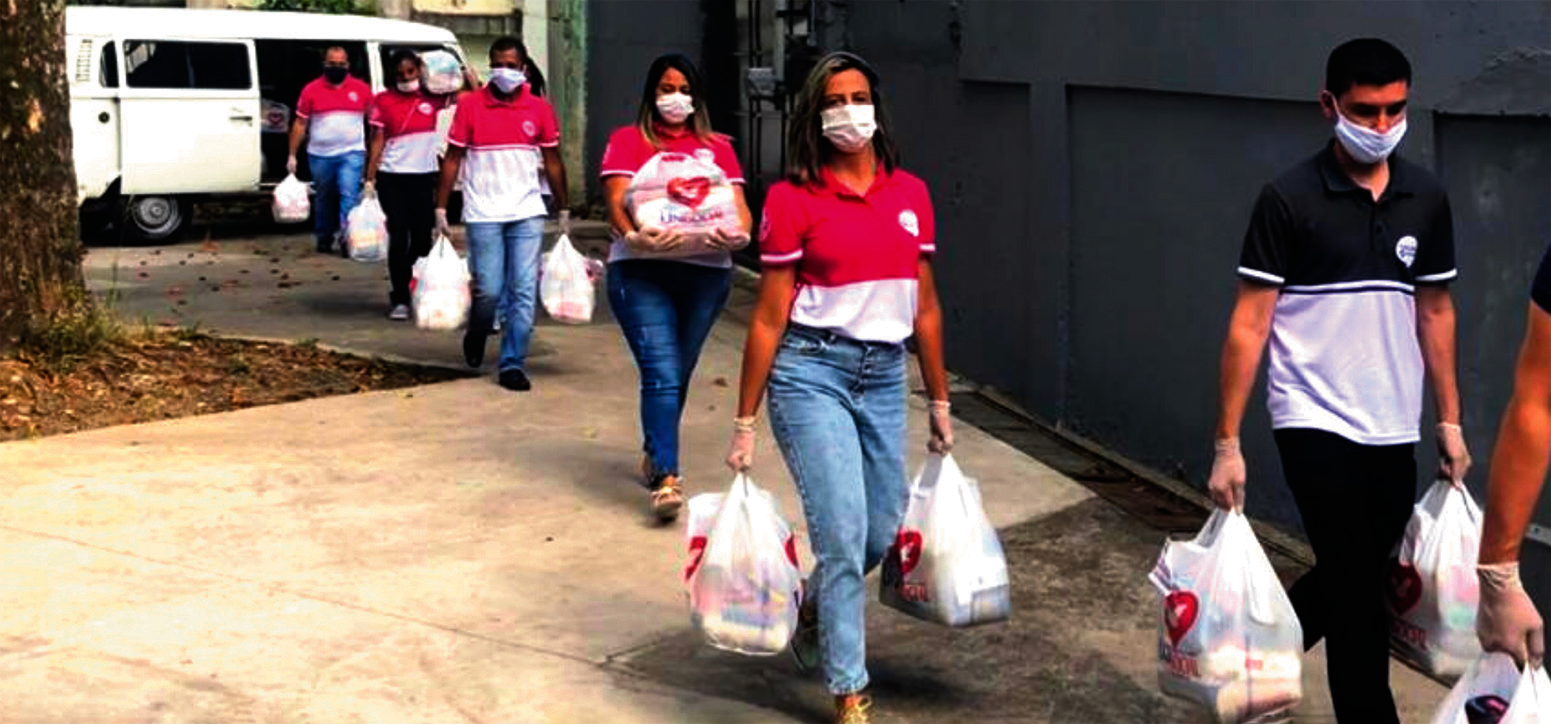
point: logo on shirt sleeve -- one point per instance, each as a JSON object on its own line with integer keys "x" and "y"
{"x": 909, "y": 222}
{"x": 764, "y": 228}
{"x": 1405, "y": 250}
{"x": 530, "y": 129}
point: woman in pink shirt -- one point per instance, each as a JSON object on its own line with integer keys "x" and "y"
{"x": 664, "y": 291}
{"x": 845, "y": 247}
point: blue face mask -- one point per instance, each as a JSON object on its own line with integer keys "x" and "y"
{"x": 507, "y": 80}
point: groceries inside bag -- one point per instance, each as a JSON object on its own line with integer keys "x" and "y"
{"x": 366, "y": 231}
{"x": 1494, "y": 691}
{"x": 1228, "y": 638}
{"x": 443, "y": 73}
{"x": 566, "y": 284}
{"x": 742, "y": 578}
{"x": 439, "y": 288}
{"x": 291, "y": 204}
{"x": 1432, "y": 589}
{"x": 946, "y": 564}
{"x": 686, "y": 193}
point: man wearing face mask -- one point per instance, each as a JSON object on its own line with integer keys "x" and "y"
{"x": 501, "y": 136}
{"x": 331, "y": 115}
{"x": 1344, "y": 270}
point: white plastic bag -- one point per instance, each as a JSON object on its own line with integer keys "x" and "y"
{"x": 743, "y": 582}
{"x": 1432, "y": 589}
{"x": 946, "y": 565}
{"x": 685, "y": 193}
{"x": 443, "y": 72}
{"x": 1228, "y": 638}
{"x": 439, "y": 288}
{"x": 366, "y": 231}
{"x": 291, "y": 204}
{"x": 565, "y": 286}
{"x": 1489, "y": 692}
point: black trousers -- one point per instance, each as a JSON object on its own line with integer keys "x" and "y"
{"x": 1355, "y": 501}
{"x": 409, "y": 200}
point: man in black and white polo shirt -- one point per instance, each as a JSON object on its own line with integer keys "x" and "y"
{"x": 1345, "y": 270}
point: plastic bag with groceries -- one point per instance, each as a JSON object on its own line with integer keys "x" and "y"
{"x": 685, "y": 193}
{"x": 1228, "y": 638}
{"x": 742, "y": 578}
{"x": 1432, "y": 589}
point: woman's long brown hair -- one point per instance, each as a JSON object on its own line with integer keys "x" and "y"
{"x": 807, "y": 150}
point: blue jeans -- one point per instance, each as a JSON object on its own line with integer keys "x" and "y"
{"x": 837, "y": 407}
{"x": 504, "y": 258}
{"x": 666, "y": 310}
{"x": 336, "y": 183}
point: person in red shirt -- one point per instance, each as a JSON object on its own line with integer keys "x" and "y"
{"x": 666, "y": 303}
{"x": 402, "y": 156}
{"x": 845, "y": 247}
{"x": 331, "y": 115}
{"x": 501, "y": 136}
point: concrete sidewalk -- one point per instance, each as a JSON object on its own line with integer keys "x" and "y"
{"x": 458, "y": 553}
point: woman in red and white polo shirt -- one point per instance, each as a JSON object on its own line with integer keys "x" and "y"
{"x": 402, "y": 166}
{"x": 666, "y": 290}
{"x": 845, "y": 243}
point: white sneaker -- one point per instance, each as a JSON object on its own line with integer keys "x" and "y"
{"x": 400, "y": 313}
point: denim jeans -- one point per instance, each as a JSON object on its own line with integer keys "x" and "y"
{"x": 666, "y": 310}
{"x": 837, "y": 407}
{"x": 336, "y": 185}
{"x": 504, "y": 258}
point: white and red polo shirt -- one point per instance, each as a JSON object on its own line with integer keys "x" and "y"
{"x": 407, "y": 122}
{"x": 857, "y": 255}
{"x": 503, "y": 139}
{"x": 628, "y": 151}
{"x": 335, "y": 116}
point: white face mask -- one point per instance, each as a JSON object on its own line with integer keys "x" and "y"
{"x": 849, "y": 127}
{"x": 507, "y": 79}
{"x": 409, "y": 86}
{"x": 675, "y": 107}
{"x": 1366, "y": 145}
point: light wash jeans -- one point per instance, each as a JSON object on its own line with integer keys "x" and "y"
{"x": 837, "y": 407}
{"x": 504, "y": 259}
{"x": 336, "y": 183}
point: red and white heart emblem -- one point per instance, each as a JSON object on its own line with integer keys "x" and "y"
{"x": 689, "y": 191}
{"x": 1405, "y": 588}
{"x": 909, "y": 544}
{"x": 1180, "y": 609}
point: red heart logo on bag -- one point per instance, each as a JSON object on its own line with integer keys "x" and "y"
{"x": 791, "y": 550}
{"x": 909, "y": 546}
{"x": 1405, "y": 588}
{"x": 1180, "y": 609}
{"x": 689, "y": 191}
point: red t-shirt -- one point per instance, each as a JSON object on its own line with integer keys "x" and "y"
{"x": 503, "y": 138}
{"x": 335, "y": 116}
{"x": 857, "y": 255}
{"x": 407, "y": 122}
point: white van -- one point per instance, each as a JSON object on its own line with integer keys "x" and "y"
{"x": 169, "y": 105}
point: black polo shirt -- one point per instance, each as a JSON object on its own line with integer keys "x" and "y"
{"x": 1541, "y": 292}
{"x": 1344, "y": 351}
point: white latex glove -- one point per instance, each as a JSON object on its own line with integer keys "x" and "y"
{"x": 1226, "y": 485}
{"x": 368, "y": 189}
{"x": 1506, "y": 620}
{"x": 442, "y": 227}
{"x": 941, "y": 423}
{"x": 290, "y": 164}
{"x": 651, "y": 238}
{"x": 1453, "y": 457}
{"x": 728, "y": 239}
{"x": 565, "y": 221}
{"x": 740, "y": 454}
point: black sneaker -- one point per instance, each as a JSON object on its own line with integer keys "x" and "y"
{"x": 473, "y": 349}
{"x": 325, "y": 246}
{"x": 515, "y": 380}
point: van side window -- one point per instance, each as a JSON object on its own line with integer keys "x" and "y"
{"x": 186, "y": 65}
{"x": 107, "y": 71}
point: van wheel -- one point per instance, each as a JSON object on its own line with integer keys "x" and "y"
{"x": 150, "y": 219}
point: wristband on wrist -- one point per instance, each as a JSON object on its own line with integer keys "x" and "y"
{"x": 942, "y": 405}
{"x": 1227, "y": 445}
{"x": 1450, "y": 426}
{"x": 743, "y": 424}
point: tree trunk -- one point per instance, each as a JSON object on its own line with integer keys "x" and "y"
{"x": 40, "y": 249}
